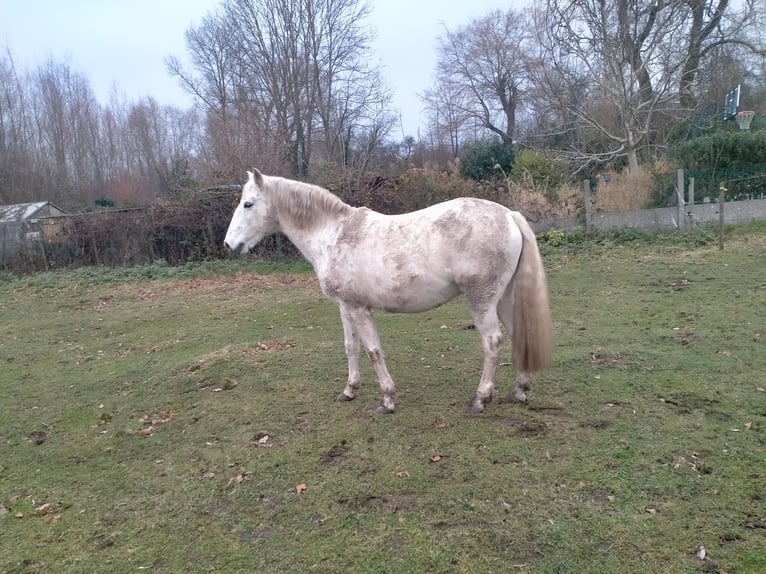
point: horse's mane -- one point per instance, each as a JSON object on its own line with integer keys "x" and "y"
{"x": 304, "y": 204}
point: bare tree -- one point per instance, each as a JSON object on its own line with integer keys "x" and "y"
{"x": 294, "y": 72}
{"x": 447, "y": 115}
{"x": 619, "y": 71}
{"x": 482, "y": 73}
{"x": 710, "y": 25}
{"x": 16, "y": 153}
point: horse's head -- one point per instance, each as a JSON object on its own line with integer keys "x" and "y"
{"x": 253, "y": 218}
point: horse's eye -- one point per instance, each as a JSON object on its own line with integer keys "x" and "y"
{"x": 247, "y": 204}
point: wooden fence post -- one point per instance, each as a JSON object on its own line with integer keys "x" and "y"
{"x": 588, "y": 205}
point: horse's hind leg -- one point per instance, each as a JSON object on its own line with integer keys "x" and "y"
{"x": 523, "y": 379}
{"x": 488, "y": 325}
{"x": 363, "y": 325}
{"x": 351, "y": 343}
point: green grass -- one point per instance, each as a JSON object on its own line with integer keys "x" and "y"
{"x": 161, "y": 419}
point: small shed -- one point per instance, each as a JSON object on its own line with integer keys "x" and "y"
{"x": 21, "y": 225}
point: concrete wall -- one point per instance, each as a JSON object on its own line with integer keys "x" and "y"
{"x": 665, "y": 217}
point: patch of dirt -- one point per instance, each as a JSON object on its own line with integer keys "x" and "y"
{"x": 229, "y": 284}
{"x": 548, "y": 409}
{"x": 398, "y": 502}
{"x": 336, "y": 453}
{"x": 37, "y": 437}
{"x": 674, "y": 283}
{"x": 104, "y": 303}
{"x": 684, "y": 336}
{"x": 524, "y": 426}
{"x": 603, "y": 358}
{"x": 234, "y": 351}
{"x": 597, "y": 424}
{"x": 599, "y": 495}
{"x": 755, "y": 522}
{"x": 687, "y": 402}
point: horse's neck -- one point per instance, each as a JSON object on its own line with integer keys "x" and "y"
{"x": 312, "y": 228}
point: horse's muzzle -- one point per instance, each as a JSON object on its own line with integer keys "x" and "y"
{"x": 240, "y": 248}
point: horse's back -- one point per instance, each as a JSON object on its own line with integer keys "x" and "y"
{"x": 416, "y": 261}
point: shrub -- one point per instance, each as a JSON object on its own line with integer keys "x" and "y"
{"x": 539, "y": 170}
{"x": 480, "y": 159}
{"x": 723, "y": 150}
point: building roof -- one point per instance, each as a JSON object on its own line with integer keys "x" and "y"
{"x": 26, "y": 211}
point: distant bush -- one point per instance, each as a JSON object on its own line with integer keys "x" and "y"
{"x": 538, "y": 169}
{"x": 480, "y": 159}
{"x": 104, "y": 202}
{"x": 735, "y": 157}
{"x": 723, "y": 150}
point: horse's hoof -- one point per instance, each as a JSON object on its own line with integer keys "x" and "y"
{"x": 517, "y": 397}
{"x": 343, "y": 397}
{"x": 475, "y": 407}
{"x": 383, "y": 410}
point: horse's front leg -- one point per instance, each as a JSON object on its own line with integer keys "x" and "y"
{"x": 351, "y": 343}
{"x": 363, "y": 325}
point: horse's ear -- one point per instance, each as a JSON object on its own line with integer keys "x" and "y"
{"x": 258, "y": 176}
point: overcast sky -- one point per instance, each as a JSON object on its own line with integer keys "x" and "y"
{"x": 122, "y": 44}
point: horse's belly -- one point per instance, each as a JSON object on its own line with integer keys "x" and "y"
{"x": 416, "y": 297}
{"x": 396, "y": 293}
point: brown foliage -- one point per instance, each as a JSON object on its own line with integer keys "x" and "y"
{"x": 193, "y": 229}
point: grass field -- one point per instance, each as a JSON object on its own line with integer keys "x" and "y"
{"x": 186, "y": 423}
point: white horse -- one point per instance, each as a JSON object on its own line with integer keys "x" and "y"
{"x": 410, "y": 263}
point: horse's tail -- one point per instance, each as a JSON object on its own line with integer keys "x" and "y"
{"x": 532, "y": 332}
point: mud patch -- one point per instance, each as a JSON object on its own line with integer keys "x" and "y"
{"x": 335, "y": 454}
{"x": 598, "y": 495}
{"x": 688, "y": 402}
{"x": 524, "y": 426}
{"x": 672, "y": 283}
{"x": 37, "y": 437}
{"x": 598, "y": 424}
{"x": 398, "y": 502}
{"x": 601, "y": 357}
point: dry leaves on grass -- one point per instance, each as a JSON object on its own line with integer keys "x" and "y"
{"x": 238, "y": 479}
{"x": 227, "y": 385}
{"x": 152, "y": 421}
{"x": 45, "y": 510}
{"x": 160, "y": 346}
{"x": 300, "y": 487}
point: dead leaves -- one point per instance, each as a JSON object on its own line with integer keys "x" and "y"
{"x": 160, "y": 346}
{"x": 154, "y": 420}
{"x": 263, "y": 440}
{"x": 28, "y": 507}
{"x": 299, "y": 488}
{"x": 238, "y": 479}
{"x": 228, "y": 384}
